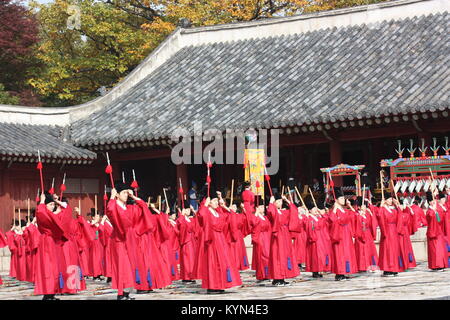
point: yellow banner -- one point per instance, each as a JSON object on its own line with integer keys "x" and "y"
{"x": 254, "y": 169}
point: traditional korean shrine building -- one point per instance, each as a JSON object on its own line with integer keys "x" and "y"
{"x": 341, "y": 85}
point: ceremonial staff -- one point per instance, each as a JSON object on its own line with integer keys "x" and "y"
{"x": 208, "y": 177}
{"x": 39, "y": 167}
{"x": 63, "y": 186}
{"x": 159, "y": 202}
{"x": 14, "y": 218}
{"x": 109, "y": 170}
{"x": 134, "y": 184}
{"x": 312, "y": 196}
{"x": 382, "y": 185}
{"x": 37, "y": 197}
{"x": 332, "y": 186}
{"x": 28, "y": 205}
{"x": 52, "y": 189}
{"x": 268, "y": 180}
{"x": 232, "y": 187}
{"x": 105, "y": 199}
{"x": 165, "y": 197}
{"x": 300, "y": 196}
{"x": 181, "y": 192}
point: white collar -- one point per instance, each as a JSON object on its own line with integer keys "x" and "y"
{"x": 213, "y": 212}
{"x": 123, "y": 206}
{"x": 187, "y": 218}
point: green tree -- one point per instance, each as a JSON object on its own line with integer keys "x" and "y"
{"x": 6, "y": 98}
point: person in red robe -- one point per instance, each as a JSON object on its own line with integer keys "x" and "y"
{"x": 122, "y": 251}
{"x": 32, "y": 236}
{"x": 365, "y": 235}
{"x": 10, "y": 237}
{"x": 408, "y": 228}
{"x": 186, "y": 225}
{"x": 240, "y": 231}
{"x": 175, "y": 241}
{"x": 216, "y": 268}
{"x": 318, "y": 245}
{"x": 152, "y": 266}
{"x": 299, "y": 237}
{"x": 96, "y": 250}
{"x": 106, "y": 229}
{"x": 341, "y": 234}
{"x": 50, "y": 261}
{"x": 281, "y": 257}
{"x": 260, "y": 229}
{"x": 166, "y": 245}
{"x": 3, "y": 243}
{"x": 389, "y": 219}
{"x": 248, "y": 197}
{"x": 438, "y": 258}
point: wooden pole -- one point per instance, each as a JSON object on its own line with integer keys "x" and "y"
{"x": 282, "y": 191}
{"x": 14, "y": 218}
{"x": 300, "y": 196}
{"x": 363, "y": 195}
{"x": 95, "y": 198}
{"x": 28, "y": 203}
{"x": 232, "y": 188}
{"x": 382, "y": 185}
{"x": 148, "y": 201}
{"x": 290, "y": 195}
{"x": 165, "y": 197}
{"x": 159, "y": 202}
{"x": 392, "y": 186}
{"x": 20, "y": 224}
{"x": 312, "y": 196}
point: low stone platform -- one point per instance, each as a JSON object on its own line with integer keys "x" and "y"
{"x": 415, "y": 284}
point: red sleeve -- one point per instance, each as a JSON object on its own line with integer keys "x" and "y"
{"x": 295, "y": 224}
{"x": 10, "y": 241}
{"x": 335, "y": 227}
{"x": 311, "y": 233}
{"x": 3, "y": 241}
{"x": 432, "y": 230}
{"x": 112, "y": 211}
{"x": 144, "y": 222}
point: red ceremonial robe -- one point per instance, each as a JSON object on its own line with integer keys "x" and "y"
{"x": 175, "y": 240}
{"x": 3, "y": 243}
{"x": 240, "y": 230}
{"x": 299, "y": 238}
{"x": 390, "y": 222}
{"x": 281, "y": 257}
{"x": 96, "y": 253}
{"x": 122, "y": 252}
{"x": 188, "y": 246}
{"x": 341, "y": 233}
{"x": 51, "y": 267}
{"x": 437, "y": 247}
{"x": 409, "y": 227}
{"x": 260, "y": 229}
{"x": 153, "y": 269}
{"x": 365, "y": 249}
{"x": 216, "y": 268}
{"x": 105, "y": 238}
{"x": 10, "y": 235}
{"x": 32, "y": 236}
{"x": 165, "y": 245}
{"x": 318, "y": 248}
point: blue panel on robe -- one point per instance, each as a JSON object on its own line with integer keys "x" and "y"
{"x": 373, "y": 261}
{"x": 448, "y": 247}
{"x": 138, "y": 278}
{"x": 289, "y": 265}
{"x": 327, "y": 260}
{"x": 172, "y": 269}
{"x": 229, "y": 275}
{"x": 449, "y": 262}
{"x": 81, "y": 274}
{"x": 61, "y": 280}
{"x": 245, "y": 261}
{"x": 149, "y": 278}
{"x": 400, "y": 261}
{"x": 266, "y": 270}
{"x": 176, "y": 255}
{"x": 410, "y": 257}
{"x": 347, "y": 266}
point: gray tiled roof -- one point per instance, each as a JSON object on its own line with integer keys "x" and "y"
{"x": 322, "y": 76}
{"x": 20, "y": 140}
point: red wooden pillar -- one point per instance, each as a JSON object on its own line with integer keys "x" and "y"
{"x": 336, "y": 158}
{"x": 182, "y": 173}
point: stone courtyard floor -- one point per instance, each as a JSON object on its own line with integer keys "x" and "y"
{"x": 415, "y": 284}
